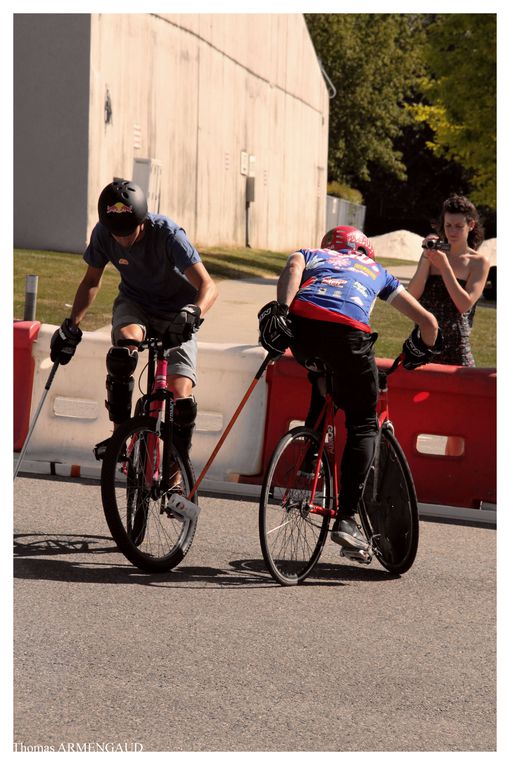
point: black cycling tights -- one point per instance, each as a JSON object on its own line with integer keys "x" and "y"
{"x": 348, "y": 353}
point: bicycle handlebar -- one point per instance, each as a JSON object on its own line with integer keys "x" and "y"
{"x": 150, "y": 342}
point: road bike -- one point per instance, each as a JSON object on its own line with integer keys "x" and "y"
{"x": 146, "y": 480}
{"x": 299, "y": 495}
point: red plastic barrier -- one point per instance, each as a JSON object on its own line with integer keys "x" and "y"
{"x": 25, "y": 333}
{"x": 436, "y": 400}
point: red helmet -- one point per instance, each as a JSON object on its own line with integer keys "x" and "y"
{"x": 348, "y": 238}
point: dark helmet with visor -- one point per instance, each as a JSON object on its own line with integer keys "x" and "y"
{"x": 122, "y": 206}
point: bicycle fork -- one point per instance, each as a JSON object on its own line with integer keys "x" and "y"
{"x": 163, "y": 400}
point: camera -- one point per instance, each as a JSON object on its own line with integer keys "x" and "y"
{"x": 437, "y": 244}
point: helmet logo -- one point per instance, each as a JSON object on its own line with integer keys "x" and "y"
{"x": 119, "y": 207}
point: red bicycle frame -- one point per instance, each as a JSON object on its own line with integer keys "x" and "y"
{"x": 158, "y": 394}
{"x": 327, "y": 417}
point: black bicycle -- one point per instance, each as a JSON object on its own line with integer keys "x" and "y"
{"x": 146, "y": 480}
{"x": 300, "y": 493}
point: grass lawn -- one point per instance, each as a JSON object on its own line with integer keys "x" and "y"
{"x": 60, "y": 273}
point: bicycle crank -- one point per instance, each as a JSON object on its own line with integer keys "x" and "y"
{"x": 359, "y": 556}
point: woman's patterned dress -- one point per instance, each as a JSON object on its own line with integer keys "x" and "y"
{"x": 455, "y": 326}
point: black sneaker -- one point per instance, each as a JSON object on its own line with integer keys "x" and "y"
{"x": 346, "y": 532}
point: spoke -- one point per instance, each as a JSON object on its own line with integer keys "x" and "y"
{"x": 155, "y": 533}
{"x": 293, "y": 537}
{"x": 276, "y": 528}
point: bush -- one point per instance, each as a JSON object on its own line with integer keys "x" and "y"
{"x": 336, "y": 189}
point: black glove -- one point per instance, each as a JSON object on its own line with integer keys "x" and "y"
{"x": 183, "y": 326}
{"x": 416, "y": 353}
{"x": 64, "y": 341}
{"x": 275, "y": 327}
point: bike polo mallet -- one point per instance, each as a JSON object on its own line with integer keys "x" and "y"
{"x": 230, "y": 425}
{"x": 36, "y": 415}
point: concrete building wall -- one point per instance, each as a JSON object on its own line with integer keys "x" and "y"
{"x": 193, "y": 92}
{"x": 51, "y": 122}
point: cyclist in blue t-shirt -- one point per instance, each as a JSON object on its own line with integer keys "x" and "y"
{"x": 164, "y": 289}
{"x": 324, "y": 300}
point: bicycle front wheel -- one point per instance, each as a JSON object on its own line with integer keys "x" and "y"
{"x": 388, "y": 508}
{"x": 135, "y": 506}
{"x": 292, "y": 537}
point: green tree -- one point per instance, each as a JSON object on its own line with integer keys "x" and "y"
{"x": 374, "y": 62}
{"x": 460, "y": 94}
{"x": 413, "y": 204}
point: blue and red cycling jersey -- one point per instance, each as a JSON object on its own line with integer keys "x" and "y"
{"x": 342, "y": 287}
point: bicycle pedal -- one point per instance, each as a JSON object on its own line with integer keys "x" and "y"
{"x": 359, "y": 556}
{"x": 181, "y": 508}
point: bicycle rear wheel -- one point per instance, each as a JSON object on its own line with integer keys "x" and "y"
{"x": 291, "y": 537}
{"x": 146, "y": 532}
{"x": 388, "y": 508}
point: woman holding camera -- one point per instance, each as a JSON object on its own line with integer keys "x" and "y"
{"x": 450, "y": 277}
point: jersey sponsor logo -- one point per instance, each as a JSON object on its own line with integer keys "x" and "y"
{"x": 335, "y": 260}
{"x": 366, "y": 270}
{"x": 314, "y": 262}
{"x": 357, "y": 300}
{"x": 334, "y": 282}
{"x": 361, "y": 288}
{"x": 367, "y": 261}
{"x": 344, "y": 259}
{"x": 119, "y": 207}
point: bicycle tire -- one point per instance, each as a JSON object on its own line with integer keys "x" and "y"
{"x": 292, "y": 538}
{"x": 388, "y": 508}
{"x": 149, "y": 536}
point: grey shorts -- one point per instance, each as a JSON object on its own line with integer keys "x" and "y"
{"x": 181, "y": 361}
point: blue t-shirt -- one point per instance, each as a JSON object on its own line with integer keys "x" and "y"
{"x": 342, "y": 287}
{"x": 152, "y": 270}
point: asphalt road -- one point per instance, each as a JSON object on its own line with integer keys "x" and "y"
{"x": 216, "y": 657}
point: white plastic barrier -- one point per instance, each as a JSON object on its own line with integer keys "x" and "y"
{"x": 74, "y": 417}
{"x": 224, "y": 375}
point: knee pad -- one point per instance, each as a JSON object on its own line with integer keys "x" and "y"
{"x": 120, "y": 364}
{"x": 185, "y": 414}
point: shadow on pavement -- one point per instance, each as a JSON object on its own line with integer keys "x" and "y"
{"x": 39, "y": 557}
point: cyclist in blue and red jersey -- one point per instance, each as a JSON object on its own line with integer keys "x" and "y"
{"x": 324, "y": 300}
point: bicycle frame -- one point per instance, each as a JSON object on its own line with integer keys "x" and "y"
{"x": 327, "y": 418}
{"x": 154, "y": 402}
